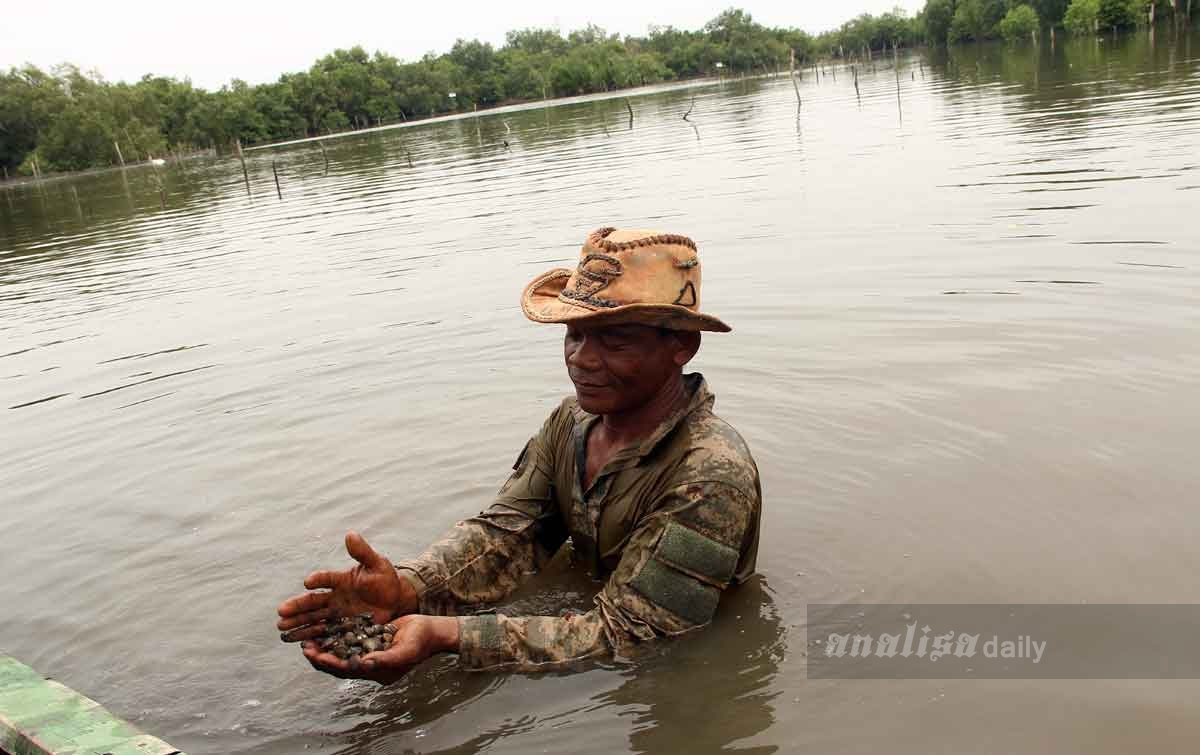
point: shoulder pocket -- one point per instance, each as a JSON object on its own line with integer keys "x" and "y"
{"x": 696, "y": 555}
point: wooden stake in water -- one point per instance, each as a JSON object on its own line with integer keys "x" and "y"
{"x": 325, "y": 155}
{"x": 796, "y": 87}
{"x": 629, "y": 107}
{"x": 120, "y": 157}
{"x": 275, "y": 172}
{"x": 896, "y": 59}
{"x": 245, "y": 174}
{"x": 78, "y": 207}
{"x": 162, "y": 191}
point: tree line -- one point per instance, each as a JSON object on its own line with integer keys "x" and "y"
{"x": 66, "y": 119}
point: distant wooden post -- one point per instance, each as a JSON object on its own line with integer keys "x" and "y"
{"x": 5, "y": 174}
{"x": 120, "y": 157}
{"x": 275, "y": 172}
{"x": 325, "y": 155}
{"x": 242, "y": 157}
{"x": 78, "y": 207}
{"x": 630, "y": 109}
{"x": 896, "y": 66}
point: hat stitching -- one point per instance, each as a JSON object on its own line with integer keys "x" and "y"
{"x": 595, "y": 301}
{"x": 598, "y": 239}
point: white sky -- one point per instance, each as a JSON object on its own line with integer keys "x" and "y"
{"x": 257, "y": 40}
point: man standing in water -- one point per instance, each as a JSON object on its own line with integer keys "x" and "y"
{"x": 658, "y": 496}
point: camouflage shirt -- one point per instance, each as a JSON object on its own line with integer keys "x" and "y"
{"x": 669, "y": 522}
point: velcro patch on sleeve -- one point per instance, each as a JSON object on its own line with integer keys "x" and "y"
{"x": 697, "y": 555}
{"x": 680, "y": 594}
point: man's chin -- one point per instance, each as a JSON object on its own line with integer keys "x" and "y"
{"x": 591, "y": 404}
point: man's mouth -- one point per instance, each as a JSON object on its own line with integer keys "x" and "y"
{"x": 587, "y": 384}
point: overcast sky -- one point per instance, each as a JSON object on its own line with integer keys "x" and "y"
{"x": 212, "y": 42}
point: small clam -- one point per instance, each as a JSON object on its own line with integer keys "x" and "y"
{"x": 341, "y": 651}
{"x": 387, "y": 640}
{"x": 370, "y": 645}
{"x": 349, "y": 638}
{"x": 373, "y": 630}
{"x": 367, "y": 616}
{"x": 389, "y": 628}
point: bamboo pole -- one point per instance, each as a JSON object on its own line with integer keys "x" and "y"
{"x": 275, "y": 172}
{"x": 690, "y": 107}
{"x": 245, "y": 174}
{"x": 325, "y": 155}
{"x": 120, "y": 157}
{"x": 629, "y": 107}
{"x": 78, "y": 207}
{"x": 162, "y": 192}
{"x": 896, "y": 66}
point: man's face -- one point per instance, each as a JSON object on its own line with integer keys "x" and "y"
{"x": 617, "y": 368}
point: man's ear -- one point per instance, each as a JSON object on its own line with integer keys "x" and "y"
{"x": 689, "y": 344}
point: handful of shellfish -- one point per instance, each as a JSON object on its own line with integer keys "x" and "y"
{"x": 354, "y": 636}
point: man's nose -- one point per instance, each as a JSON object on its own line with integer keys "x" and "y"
{"x": 585, "y": 355}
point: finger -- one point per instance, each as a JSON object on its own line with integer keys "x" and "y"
{"x": 309, "y": 601}
{"x": 312, "y": 617}
{"x": 364, "y": 554}
{"x": 394, "y": 658}
{"x": 320, "y": 579}
{"x": 300, "y": 634}
{"x": 327, "y": 662}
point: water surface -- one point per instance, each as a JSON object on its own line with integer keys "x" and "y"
{"x": 965, "y": 355}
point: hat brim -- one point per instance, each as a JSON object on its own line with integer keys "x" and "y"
{"x": 541, "y": 303}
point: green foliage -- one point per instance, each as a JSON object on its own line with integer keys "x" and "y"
{"x": 1019, "y": 23}
{"x": 1081, "y": 16}
{"x": 976, "y": 20}
{"x": 1117, "y": 14}
{"x": 876, "y": 33}
{"x": 938, "y": 15}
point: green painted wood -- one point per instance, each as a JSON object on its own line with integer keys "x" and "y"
{"x": 42, "y": 717}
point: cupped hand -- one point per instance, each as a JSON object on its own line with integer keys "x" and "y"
{"x": 370, "y": 586}
{"x": 417, "y": 638}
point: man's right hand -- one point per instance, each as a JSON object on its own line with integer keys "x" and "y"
{"x": 372, "y": 585}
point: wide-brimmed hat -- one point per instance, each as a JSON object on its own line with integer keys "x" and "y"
{"x": 625, "y": 276}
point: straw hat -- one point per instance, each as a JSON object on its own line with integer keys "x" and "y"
{"x": 625, "y": 276}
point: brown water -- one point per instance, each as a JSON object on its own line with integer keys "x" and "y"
{"x": 966, "y": 351}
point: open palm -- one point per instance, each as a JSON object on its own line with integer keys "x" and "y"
{"x": 370, "y": 586}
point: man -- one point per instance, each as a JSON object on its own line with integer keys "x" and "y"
{"x": 657, "y": 495}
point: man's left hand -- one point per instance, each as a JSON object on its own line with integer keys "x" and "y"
{"x": 417, "y": 637}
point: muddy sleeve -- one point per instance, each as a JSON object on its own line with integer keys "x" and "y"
{"x": 668, "y": 581}
{"x": 483, "y": 559}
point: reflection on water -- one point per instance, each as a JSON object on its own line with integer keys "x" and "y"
{"x": 964, "y": 353}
